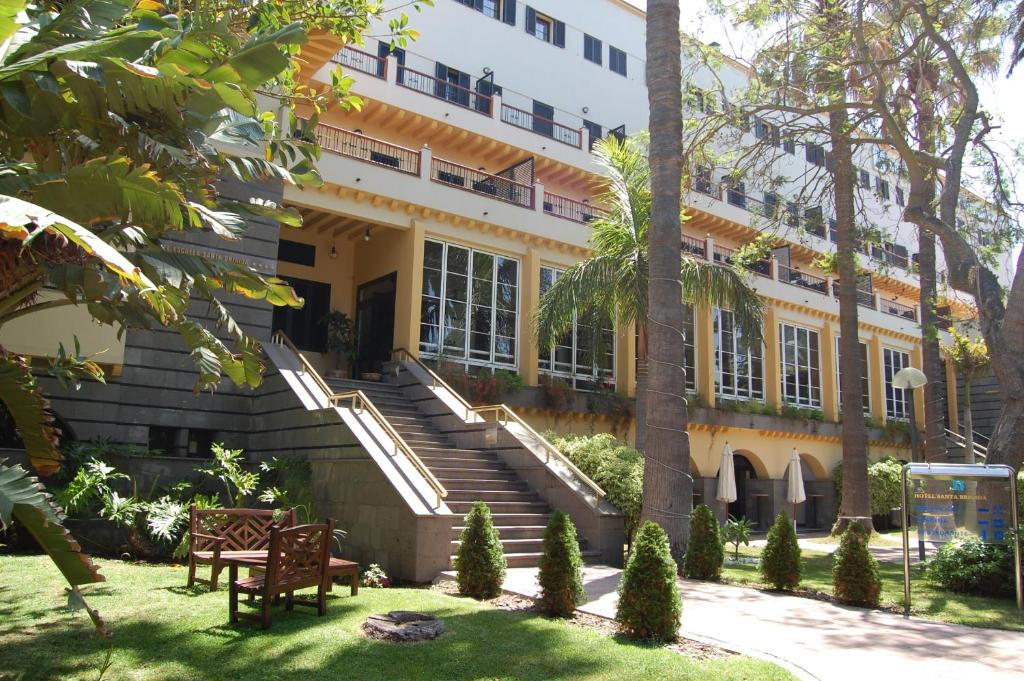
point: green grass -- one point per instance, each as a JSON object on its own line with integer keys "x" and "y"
{"x": 928, "y": 600}
{"x": 888, "y": 539}
{"x": 164, "y": 631}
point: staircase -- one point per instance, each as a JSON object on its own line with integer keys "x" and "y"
{"x": 956, "y": 446}
{"x": 469, "y": 475}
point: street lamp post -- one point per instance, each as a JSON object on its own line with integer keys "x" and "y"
{"x": 907, "y": 379}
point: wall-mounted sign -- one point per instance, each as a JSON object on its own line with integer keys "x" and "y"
{"x": 949, "y": 502}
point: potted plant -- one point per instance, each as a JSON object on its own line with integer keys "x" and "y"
{"x": 341, "y": 340}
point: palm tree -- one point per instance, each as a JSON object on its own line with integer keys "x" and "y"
{"x": 614, "y": 282}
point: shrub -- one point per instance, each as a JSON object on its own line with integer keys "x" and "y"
{"x": 704, "y": 552}
{"x": 561, "y": 568}
{"x": 374, "y": 577}
{"x": 612, "y": 464}
{"x": 737, "y": 532}
{"x": 974, "y": 567}
{"x": 649, "y": 602}
{"x": 480, "y": 562}
{"x": 855, "y": 578}
{"x": 883, "y": 485}
{"x": 780, "y": 560}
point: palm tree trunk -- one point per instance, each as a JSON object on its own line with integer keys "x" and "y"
{"x": 641, "y": 388}
{"x": 856, "y": 501}
{"x": 968, "y": 420}
{"x": 668, "y": 488}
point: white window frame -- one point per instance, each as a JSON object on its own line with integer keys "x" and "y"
{"x": 751, "y": 392}
{"x": 582, "y": 377}
{"x": 789, "y": 358}
{"x": 548, "y": 35}
{"x": 690, "y": 346}
{"x": 866, "y": 367}
{"x": 463, "y": 355}
{"x": 894, "y": 395}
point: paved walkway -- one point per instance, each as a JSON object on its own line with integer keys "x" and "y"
{"x": 819, "y": 640}
{"x": 886, "y": 552}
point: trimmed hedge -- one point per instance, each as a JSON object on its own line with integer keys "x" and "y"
{"x": 883, "y": 485}
{"x": 855, "y": 577}
{"x": 561, "y": 568}
{"x": 704, "y": 552}
{"x": 780, "y": 560}
{"x": 480, "y": 563}
{"x": 649, "y": 601}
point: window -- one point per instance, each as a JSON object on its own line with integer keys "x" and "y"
{"x": 592, "y": 49}
{"x": 801, "y": 373}
{"x": 833, "y": 230}
{"x": 595, "y": 130}
{"x": 901, "y": 200}
{"x": 545, "y": 28}
{"x": 582, "y": 356}
{"x": 814, "y": 221}
{"x": 689, "y": 351}
{"x": 702, "y": 181}
{"x": 865, "y": 385}
{"x": 882, "y": 188}
{"x": 771, "y": 204}
{"x": 617, "y": 60}
{"x": 163, "y": 439}
{"x": 765, "y": 130}
{"x": 470, "y": 305}
{"x": 789, "y": 145}
{"x": 815, "y": 153}
{"x": 295, "y": 252}
{"x": 792, "y": 217}
{"x": 865, "y": 179}
{"x": 897, "y": 405}
{"x": 891, "y": 253}
{"x": 302, "y": 325}
{"x": 739, "y": 373}
{"x": 490, "y": 8}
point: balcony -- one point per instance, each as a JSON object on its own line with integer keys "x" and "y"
{"x": 542, "y": 126}
{"x": 368, "y": 149}
{"x": 794, "y": 277}
{"x": 364, "y": 62}
{"x": 442, "y": 89}
{"x": 570, "y": 209}
{"x": 479, "y": 182}
{"x": 897, "y": 309}
{"x": 695, "y": 247}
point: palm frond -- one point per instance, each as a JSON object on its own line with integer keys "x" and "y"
{"x": 724, "y": 287}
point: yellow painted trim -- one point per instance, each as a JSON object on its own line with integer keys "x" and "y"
{"x": 771, "y": 361}
{"x": 827, "y": 356}
{"x": 529, "y": 300}
{"x": 704, "y": 353}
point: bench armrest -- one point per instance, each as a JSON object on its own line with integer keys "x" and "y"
{"x": 217, "y": 542}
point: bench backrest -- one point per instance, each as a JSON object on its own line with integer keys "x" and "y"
{"x": 298, "y": 556}
{"x": 243, "y": 529}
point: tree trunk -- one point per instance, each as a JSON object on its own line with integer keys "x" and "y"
{"x": 934, "y": 422}
{"x": 968, "y": 421}
{"x": 668, "y": 488}
{"x": 641, "y": 390}
{"x": 856, "y": 497}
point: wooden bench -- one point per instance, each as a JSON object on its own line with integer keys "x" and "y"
{"x": 297, "y": 558}
{"x": 215, "y": 534}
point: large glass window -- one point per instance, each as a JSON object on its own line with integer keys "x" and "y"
{"x": 689, "y": 351}
{"x": 739, "y": 372}
{"x": 865, "y": 384}
{"x": 801, "y": 370}
{"x": 581, "y": 355}
{"x": 470, "y": 305}
{"x": 897, "y": 404}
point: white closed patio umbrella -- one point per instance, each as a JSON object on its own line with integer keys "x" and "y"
{"x": 726, "y": 477}
{"x": 795, "y": 493}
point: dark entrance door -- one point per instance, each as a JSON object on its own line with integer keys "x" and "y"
{"x": 305, "y": 324}
{"x": 744, "y": 473}
{"x": 375, "y": 324}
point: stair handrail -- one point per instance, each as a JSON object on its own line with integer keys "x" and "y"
{"x": 980, "y": 450}
{"x": 360, "y": 402}
{"x": 549, "y": 448}
{"x": 500, "y": 410}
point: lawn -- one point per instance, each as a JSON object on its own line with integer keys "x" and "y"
{"x": 163, "y": 630}
{"x": 928, "y": 600}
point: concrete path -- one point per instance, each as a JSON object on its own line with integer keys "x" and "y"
{"x": 886, "y": 552}
{"x": 819, "y": 640}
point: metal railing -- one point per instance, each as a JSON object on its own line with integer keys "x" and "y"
{"x": 363, "y": 62}
{"x": 368, "y": 149}
{"x": 479, "y": 182}
{"x": 695, "y": 246}
{"x": 791, "y": 275}
{"x": 958, "y": 439}
{"x": 570, "y": 209}
{"x": 499, "y": 411}
{"x": 360, "y": 403}
{"x": 443, "y": 89}
{"x": 541, "y": 125}
{"x": 898, "y": 309}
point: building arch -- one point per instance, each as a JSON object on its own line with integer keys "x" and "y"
{"x": 812, "y": 468}
{"x": 759, "y": 467}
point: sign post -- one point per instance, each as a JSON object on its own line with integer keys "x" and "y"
{"x": 955, "y": 501}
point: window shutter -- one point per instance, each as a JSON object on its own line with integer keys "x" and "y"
{"x": 441, "y": 84}
{"x": 531, "y": 20}
{"x": 559, "y": 34}
{"x": 508, "y": 12}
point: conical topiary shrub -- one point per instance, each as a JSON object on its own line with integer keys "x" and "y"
{"x": 561, "y": 568}
{"x": 480, "y": 562}
{"x": 780, "y": 560}
{"x": 855, "y": 578}
{"x": 649, "y": 602}
{"x": 704, "y": 552}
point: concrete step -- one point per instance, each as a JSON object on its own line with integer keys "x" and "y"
{"x": 509, "y": 531}
{"x": 511, "y": 546}
{"x": 483, "y": 493}
{"x": 427, "y": 441}
{"x": 504, "y": 485}
{"x": 433, "y": 450}
{"x": 532, "y": 558}
{"x": 463, "y": 507}
{"x": 454, "y": 473}
{"x": 439, "y": 464}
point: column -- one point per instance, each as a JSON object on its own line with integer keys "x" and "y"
{"x": 704, "y": 353}
{"x": 829, "y": 386}
{"x": 529, "y": 300}
{"x": 625, "y": 360}
{"x": 409, "y": 289}
{"x": 772, "y": 361}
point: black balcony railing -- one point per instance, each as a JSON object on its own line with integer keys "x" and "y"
{"x": 695, "y": 247}
{"x": 361, "y": 61}
{"x": 794, "y": 276}
{"x": 570, "y": 209}
{"x": 479, "y": 182}
{"x": 446, "y": 90}
{"x": 898, "y": 309}
{"x": 542, "y": 126}
{"x": 369, "y": 149}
